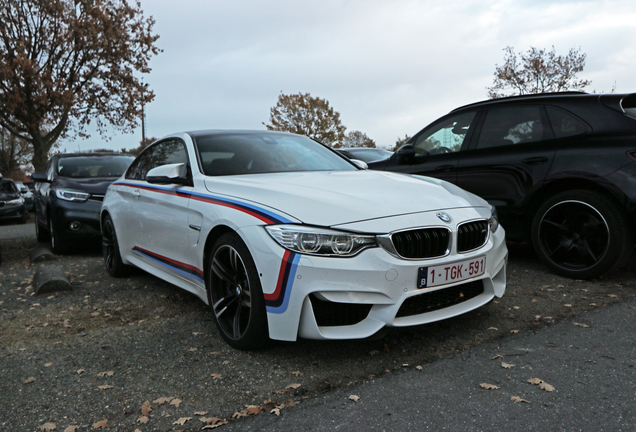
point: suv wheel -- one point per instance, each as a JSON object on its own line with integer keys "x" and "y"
{"x": 581, "y": 234}
{"x": 57, "y": 245}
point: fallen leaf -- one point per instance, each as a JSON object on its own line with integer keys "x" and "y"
{"x": 534, "y": 300}
{"x": 103, "y": 424}
{"x": 192, "y": 349}
{"x": 542, "y": 384}
{"x": 498, "y": 356}
{"x": 146, "y": 408}
{"x": 296, "y": 373}
{"x": 106, "y": 374}
{"x": 516, "y": 307}
{"x": 514, "y": 331}
{"x": 217, "y": 376}
{"x": 72, "y": 428}
{"x": 197, "y": 333}
{"x": 47, "y": 427}
{"x": 239, "y": 414}
{"x": 200, "y": 413}
{"x": 30, "y": 380}
{"x": 567, "y": 305}
{"x": 143, "y": 419}
{"x": 209, "y": 420}
{"x": 106, "y": 387}
{"x": 162, "y": 400}
{"x": 489, "y": 386}
{"x": 182, "y": 420}
{"x": 81, "y": 371}
{"x": 419, "y": 368}
{"x": 507, "y": 365}
{"x": 275, "y": 411}
{"x": 493, "y": 328}
{"x": 226, "y": 362}
{"x": 374, "y": 352}
{"x": 49, "y": 364}
{"x": 293, "y": 386}
{"x": 613, "y": 295}
{"x": 254, "y": 409}
{"x": 517, "y": 399}
{"x": 176, "y": 402}
{"x": 354, "y": 398}
{"x": 581, "y": 325}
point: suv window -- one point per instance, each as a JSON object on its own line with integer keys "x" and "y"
{"x": 565, "y": 124}
{"x": 162, "y": 153}
{"x": 445, "y": 137}
{"x": 514, "y": 125}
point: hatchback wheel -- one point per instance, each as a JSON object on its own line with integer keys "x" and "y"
{"x": 235, "y": 294}
{"x": 57, "y": 244}
{"x": 581, "y": 234}
{"x": 110, "y": 249}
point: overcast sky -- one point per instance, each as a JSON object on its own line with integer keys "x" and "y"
{"x": 388, "y": 67}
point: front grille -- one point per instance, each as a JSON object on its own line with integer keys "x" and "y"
{"x": 422, "y": 243}
{"x": 472, "y": 235}
{"x": 440, "y": 299}
{"x": 331, "y": 314}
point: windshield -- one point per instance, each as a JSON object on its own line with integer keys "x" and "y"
{"x": 267, "y": 152}
{"x": 93, "y": 166}
{"x": 369, "y": 155}
{"x": 7, "y": 187}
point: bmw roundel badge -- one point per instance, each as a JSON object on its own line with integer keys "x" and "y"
{"x": 444, "y": 217}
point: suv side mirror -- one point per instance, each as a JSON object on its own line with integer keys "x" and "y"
{"x": 39, "y": 176}
{"x": 405, "y": 154}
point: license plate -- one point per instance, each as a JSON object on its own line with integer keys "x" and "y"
{"x": 448, "y": 273}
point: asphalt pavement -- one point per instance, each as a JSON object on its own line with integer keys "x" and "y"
{"x": 584, "y": 371}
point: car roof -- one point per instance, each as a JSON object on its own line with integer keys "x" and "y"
{"x": 207, "y": 132}
{"x": 68, "y": 155}
{"x": 538, "y": 96}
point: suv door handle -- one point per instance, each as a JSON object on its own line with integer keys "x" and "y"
{"x": 136, "y": 193}
{"x": 535, "y": 160}
{"x": 444, "y": 167}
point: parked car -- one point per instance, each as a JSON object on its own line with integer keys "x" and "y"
{"x": 11, "y": 201}
{"x": 26, "y": 194}
{"x": 69, "y": 195}
{"x": 283, "y": 237}
{"x": 560, "y": 168}
{"x": 365, "y": 154}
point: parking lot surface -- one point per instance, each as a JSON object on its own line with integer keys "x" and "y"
{"x": 139, "y": 354}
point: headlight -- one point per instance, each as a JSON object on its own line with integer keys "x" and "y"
{"x": 16, "y": 201}
{"x": 72, "y": 195}
{"x": 320, "y": 241}
{"x": 494, "y": 220}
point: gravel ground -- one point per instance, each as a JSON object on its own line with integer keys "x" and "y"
{"x": 139, "y": 354}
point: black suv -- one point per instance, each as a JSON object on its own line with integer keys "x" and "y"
{"x": 559, "y": 167}
{"x": 69, "y": 195}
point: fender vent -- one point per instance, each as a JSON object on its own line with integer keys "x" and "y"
{"x": 440, "y": 299}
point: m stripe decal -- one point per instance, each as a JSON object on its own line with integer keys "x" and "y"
{"x": 182, "y": 268}
{"x": 278, "y": 301}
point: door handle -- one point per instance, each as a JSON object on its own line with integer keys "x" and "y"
{"x": 535, "y": 160}
{"x": 444, "y": 167}
{"x": 136, "y": 193}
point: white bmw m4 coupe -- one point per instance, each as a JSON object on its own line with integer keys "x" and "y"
{"x": 284, "y": 238}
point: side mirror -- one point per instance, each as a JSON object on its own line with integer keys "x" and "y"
{"x": 405, "y": 154}
{"x": 39, "y": 176}
{"x": 360, "y": 164}
{"x": 23, "y": 190}
{"x": 171, "y": 174}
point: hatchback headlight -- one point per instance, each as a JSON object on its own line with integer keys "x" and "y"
{"x": 494, "y": 219}
{"x": 72, "y": 195}
{"x": 320, "y": 241}
{"x": 16, "y": 201}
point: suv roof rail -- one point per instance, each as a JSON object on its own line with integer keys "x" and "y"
{"x": 524, "y": 96}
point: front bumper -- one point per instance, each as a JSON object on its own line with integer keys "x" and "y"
{"x": 12, "y": 211}
{"x": 64, "y": 213}
{"x": 351, "y": 298}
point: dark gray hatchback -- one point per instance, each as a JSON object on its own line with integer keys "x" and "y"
{"x": 560, "y": 169}
{"x": 69, "y": 195}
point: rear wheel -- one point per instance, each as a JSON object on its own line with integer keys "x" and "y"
{"x": 110, "y": 249}
{"x": 581, "y": 234}
{"x": 235, "y": 294}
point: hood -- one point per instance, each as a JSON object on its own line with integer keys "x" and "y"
{"x": 94, "y": 185}
{"x": 329, "y": 198}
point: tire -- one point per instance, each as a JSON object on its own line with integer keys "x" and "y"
{"x": 235, "y": 294}
{"x": 581, "y": 234}
{"x": 58, "y": 246}
{"x": 110, "y": 249}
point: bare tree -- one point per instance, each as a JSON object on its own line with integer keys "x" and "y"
{"x": 66, "y": 63}
{"x": 306, "y": 115}
{"x": 357, "y": 139}
{"x": 15, "y": 153}
{"x": 538, "y": 71}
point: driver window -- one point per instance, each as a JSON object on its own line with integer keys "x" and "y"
{"x": 446, "y": 136}
{"x": 163, "y": 153}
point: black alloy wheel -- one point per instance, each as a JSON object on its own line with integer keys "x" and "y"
{"x": 57, "y": 245}
{"x": 110, "y": 249}
{"x": 235, "y": 294}
{"x": 581, "y": 234}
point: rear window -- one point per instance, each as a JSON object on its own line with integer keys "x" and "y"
{"x": 565, "y": 124}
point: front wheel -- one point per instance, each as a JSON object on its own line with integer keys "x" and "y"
{"x": 235, "y": 294}
{"x": 581, "y": 234}
{"x": 110, "y": 249}
{"x": 57, "y": 244}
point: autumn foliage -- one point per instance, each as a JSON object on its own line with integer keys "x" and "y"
{"x": 306, "y": 115}
{"x": 67, "y": 63}
{"x": 538, "y": 71}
